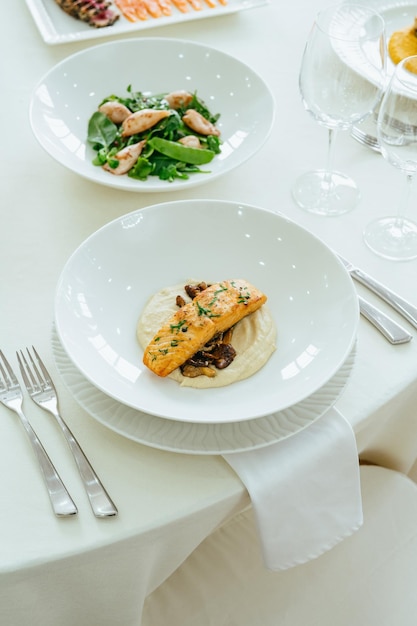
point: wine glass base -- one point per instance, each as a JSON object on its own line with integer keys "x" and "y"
{"x": 325, "y": 193}
{"x": 392, "y": 238}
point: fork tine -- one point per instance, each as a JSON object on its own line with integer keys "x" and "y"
{"x": 3, "y": 375}
{"x": 29, "y": 384}
{"x": 32, "y": 377}
{"x": 7, "y": 370}
{"x": 45, "y": 372}
{"x": 35, "y": 368}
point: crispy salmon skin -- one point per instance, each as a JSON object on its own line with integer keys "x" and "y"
{"x": 212, "y": 311}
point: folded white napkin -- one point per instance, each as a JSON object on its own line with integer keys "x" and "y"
{"x": 305, "y": 490}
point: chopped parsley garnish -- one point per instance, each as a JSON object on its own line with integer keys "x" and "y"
{"x": 207, "y": 312}
{"x": 180, "y": 326}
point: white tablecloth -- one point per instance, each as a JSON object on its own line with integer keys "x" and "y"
{"x": 90, "y": 571}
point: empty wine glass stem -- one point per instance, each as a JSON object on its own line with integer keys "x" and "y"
{"x": 405, "y": 199}
{"x": 330, "y": 158}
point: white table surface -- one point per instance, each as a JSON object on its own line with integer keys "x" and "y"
{"x": 90, "y": 571}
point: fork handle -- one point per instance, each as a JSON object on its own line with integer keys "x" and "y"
{"x": 100, "y": 501}
{"x": 61, "y": 501}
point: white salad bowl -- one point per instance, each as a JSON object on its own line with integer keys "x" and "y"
{"x": 66, "y": 97}
{"x": 107, "y": 281}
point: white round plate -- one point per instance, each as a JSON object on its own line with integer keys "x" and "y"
{"x": 190, "y": 438}
{"x": 397, "y": 15}
{"x": 106, "y": 283}
{"x": 67, "y": 96}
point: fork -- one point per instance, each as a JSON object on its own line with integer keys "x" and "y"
{"x": 366, "y": 139}
{"x": 42, "y": 391}
{"x": 11, "y": 396}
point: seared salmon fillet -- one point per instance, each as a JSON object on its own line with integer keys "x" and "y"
{"x": 212, "y": 311}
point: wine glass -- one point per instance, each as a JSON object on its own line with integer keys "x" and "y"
{"x": 396, "y": 237}
{"x": 341, "y": 81}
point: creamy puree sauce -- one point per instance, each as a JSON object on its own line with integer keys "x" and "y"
{"x": 254, "y": 338}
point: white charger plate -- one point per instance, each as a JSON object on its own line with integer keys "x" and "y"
{"x": 56, "y": 27}
{"x": 66, "y": 97}
{"x": 183, "y": 437}
{"x": 107, "y": 281}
